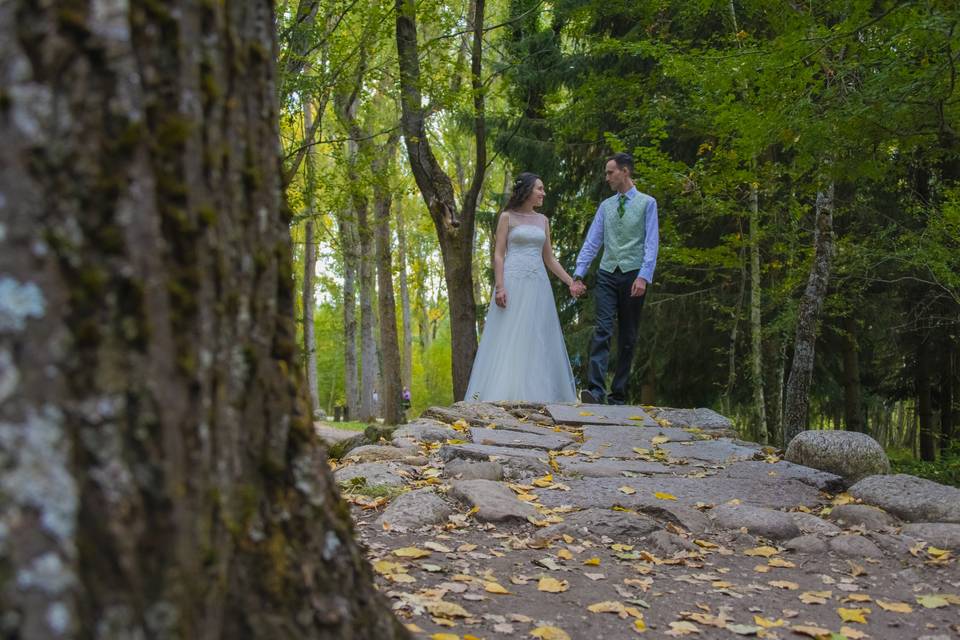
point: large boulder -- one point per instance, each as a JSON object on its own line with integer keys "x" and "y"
{"x": 870, "y": 518}
{"x": 848, "y": 454}
{"x": 940, "y": 534}
{"x": 910, "y": 498}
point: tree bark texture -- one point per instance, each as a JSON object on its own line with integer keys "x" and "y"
{"x": 309, "y": 267}
{"x": 852, "y": 403}
{"x": 405, "y": 314}
{"x": 349, "y": 248}
{"x": 756, "y": 328}
{"x": 797, "y": 399}
{"x": 158, "y": 469}
{"x": 454, "y": 230}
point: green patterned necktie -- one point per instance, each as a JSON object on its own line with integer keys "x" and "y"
{"x": 622, "y": 205}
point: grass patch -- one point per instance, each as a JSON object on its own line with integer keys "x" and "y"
{"x": 946, "y": 470}
{"x": 346, "y": 426}
{"x": 359, "y": 486}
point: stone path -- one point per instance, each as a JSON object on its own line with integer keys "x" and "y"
{"x": 551, "y": 522}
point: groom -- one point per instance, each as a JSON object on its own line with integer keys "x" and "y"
{"x": 626, "y": 226}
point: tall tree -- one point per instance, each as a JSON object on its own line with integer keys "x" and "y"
{"x": 158, "y": 469}
{"x": 309, "y": 268}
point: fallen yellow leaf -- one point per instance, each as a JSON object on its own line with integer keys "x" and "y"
{"x": 552, "y": 585}
{"x": 442, "y": 608}
{"x": 659, "y": 495}
{"x": 639, "y": 625}
{"x": 810, "y": 630}
{"x": 853, "y": 615}
{"x": 385, "y": 567}
{"x": 765, "y": 551}
{"x": 932, "y": 601}
{"x": 444, "y": 636}
{"x": 659, "y": 440}
{"x": 858, "y": 597}
{"x": 550, "y": 633}
{"x": 543, "y": 482}
{"x": 564, "y": 554}
{"x": 767, "y": 623}
{"x": 705, "y": 544}
{"x": 682, "y": 628}
{"x": 586, "y": 413}
{"x": 411, "y": 552}
{"x": 852, "y": 634}
{"x": 592, "y": 562}
{"x": 936, "y": 552}
{"x": 607, "y": 606}
{"x": 896, "y": 607}
{"x": 780, "y": 562}
{"x": 494, "y": 587}
{"x": 784, "y": 584}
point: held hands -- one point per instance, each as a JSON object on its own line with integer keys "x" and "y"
{"x": 577, "y": 288}
{"x": 638, "y": 288}
{"x": 500, "y": 297}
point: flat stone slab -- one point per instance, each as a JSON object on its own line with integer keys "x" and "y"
{"x": 810, "y": 523}
{"x": 910, "y": 498}
{"x": 389, "y": 474}
{"x": 854, "y": 547}
{"x": 516, "y": 462}
{"x": 332, "y": 435}
{"x": 806, "y": 544}
{"x": 701, "y": 418}
{"x": 545, "y": 439}
{"x": 713, "y": 451}
{"x": 473, "y": 470}
{"x": 871, "y": 518}
{"x": 595, "y": 523}
{"x": 605, "y": 492}
{"x": 599, "y": 414}
{"x": 944, "y": 535}
{"x": 414, "y": 510}
{"x": 759, "y": 470}
{"x": 494, "y": 501}
{"x": 610, "y": 467}
{"x": 619, "y": 442}
{"x": 480, "y": 414}
{"x": 380, "y": 453}
{"x": 424, "y": 430}
{"x": 769, "y": 523}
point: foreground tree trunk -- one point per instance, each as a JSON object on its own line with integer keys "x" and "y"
{"x": 804, "y": 347}
{"x": 158, "y": 469}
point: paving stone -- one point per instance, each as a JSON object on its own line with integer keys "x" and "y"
{"x": 480, "y": 414}
{"x": 806, "y": 544}
{"x": 945, "y": 535}
{"x": 667, "y": 544}
{"x": 910, "y": 498}
{"x": 849, "y": 454}
{"x": 331, "y": 435}
{"x": 619, "y": 442}
{"x": 379, "y": 453}
{"x": 494, "y": 500}
{"x": 758, "y": 521}
{"x": 810, "y": 523}
{"x": 713, "y": 451}
{"x": 473, "y": 470}
{"x": 605, "y": 492}
{"x": 545, "y": 439}
{"x": 414, "y": 510}
{"x": 517, "y": 463}
{"x": 892, "y": 544}
{"x": 702, "y": 418}
{"x": 621, "y": 526}
{"x": 388, "y": 474}
{"x": 424, "y": 430}
{"x": 610, "y": 467}
{"x": 854, "y": 547}
{"x": 599, "y": 414}
{"x": 759, "y": 469}
{"x": 693, "y": 520}
{"x": 871, "y": 518}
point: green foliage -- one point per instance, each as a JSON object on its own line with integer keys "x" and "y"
{"x": 946, "y": 470}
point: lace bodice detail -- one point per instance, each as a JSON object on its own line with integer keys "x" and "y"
{"x": 524, "y": 256}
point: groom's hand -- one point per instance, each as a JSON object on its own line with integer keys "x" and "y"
{"x": 577, "y": 288}
{"x": 639, "y": 288}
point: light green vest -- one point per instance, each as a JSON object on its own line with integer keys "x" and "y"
{"x": 623, "y": 237}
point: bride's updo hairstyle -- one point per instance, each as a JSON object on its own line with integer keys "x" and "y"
{"x": 522, "y": 188}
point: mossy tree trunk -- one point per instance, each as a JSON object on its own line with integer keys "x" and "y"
{"x": 158, "y": 469}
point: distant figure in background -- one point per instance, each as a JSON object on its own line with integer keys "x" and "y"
{"x": 406, "y": 399}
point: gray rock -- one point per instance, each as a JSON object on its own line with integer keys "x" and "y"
{"x": 414, "y": 510}
{"x": 852, "y": 515}
{"x": 806, "y": 544}
{"x": 713, "y": 451}
{"x": 473, "y": 470}
{"x": 610, "y": 467}
{"x": 388, "y": 474}
{"x": 810, "y": 523}
{"x": 379, "y": 453}
{"x": 331, "y": 435}
{"x": 481, "y": 415}
{"x": 848, "y": 454}
{"x": 495, "y": 501}
{"x": 910, "y": 498}
{"x": 619, "y": 442}
{"x": 854, "y": 547}
{"x": 680, "y": 515}
{"x": 775, "y": 525}
{"x": 594, "y": 523}
{"x": 894, "y": 545}
{"x": 945, "y": 535}
{"x": 517, "y": 463}
{"x": 544, "y": 439}
{"x": 757, "y": 469}
{"x": 424, "y": 430}
{"x": 702, "y": 418}
{"x": 599, "y": 414}
{"x": 668, "y": 544}
{"x": 341, "y": 447}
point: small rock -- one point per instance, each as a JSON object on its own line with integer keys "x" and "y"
{"x": 414, "y": 510}
{"x": 702, "y": 418}
{"x": 424, "y": 430}
{"x": 945, "y": 535}
{"x": 594, "y": 523}
{"x": 668, "y": 543}
{"x": 810, "y": 523}
{"x": 693, "y": 520}
{"x": 806, "y": 544}
{"x": 893, "y": 545}
{"x": 848, "y": 454}
{"x": 473, "y": 470}
{"x": 546, "y": 440}
{"x": 331, "y": 435}
{"x": 388, "y": 474}
{"x": 378, "y": 453}
{"x": 871, "y": 518}
{"x": 855, "y": 547}
{"x": 775, "y": 525}
{"x": 910, "y": 498}
{"x": 494, "y": 501}
{"x": 764, "y": 470}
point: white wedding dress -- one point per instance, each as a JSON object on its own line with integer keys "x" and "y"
{"x": 522, "y": 355}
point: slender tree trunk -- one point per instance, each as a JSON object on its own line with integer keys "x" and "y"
{"x": 928, "y": 447}
{"x": 734, "y": 330}
{"x": 392, "y": 387}
{"x": 309, "y": 267}
{"x": 369, "y": 366}
{"x": 756, "y": 329}
{"x": 852, "y": 404}
{"x": 351, "y": 377}
{"x": 160, "y": 476}
{"x": 801, "y": 371}
{"x": 948, "y": 397}
{"x": 407, "y": 350}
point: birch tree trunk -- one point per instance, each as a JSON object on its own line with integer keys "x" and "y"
{"x": 309, "y": 267}
{"x": 406, "y": 317}
{"x": 756, "y": 329}
{"x": 159, "y": 474}
{"x": 804, "y": 347}
{"x": 348, "y": 246}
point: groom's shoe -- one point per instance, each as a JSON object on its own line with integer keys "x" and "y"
{"x": 587, "y": 397}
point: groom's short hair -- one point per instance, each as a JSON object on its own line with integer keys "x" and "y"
{"x": 623, "y": 160}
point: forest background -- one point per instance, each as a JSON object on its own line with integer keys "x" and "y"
{"x": 805, "y": 157}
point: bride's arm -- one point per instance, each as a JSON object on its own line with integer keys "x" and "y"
{"x": 551, "y": 261}
{"x": 499, "y": 251}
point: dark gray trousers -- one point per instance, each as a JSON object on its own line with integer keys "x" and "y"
{"x": 613, "y": 303}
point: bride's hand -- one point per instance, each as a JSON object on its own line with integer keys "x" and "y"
{"x": 500, "y": 297}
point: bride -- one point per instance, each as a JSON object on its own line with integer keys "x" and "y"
{"x": 522, "y": 355}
